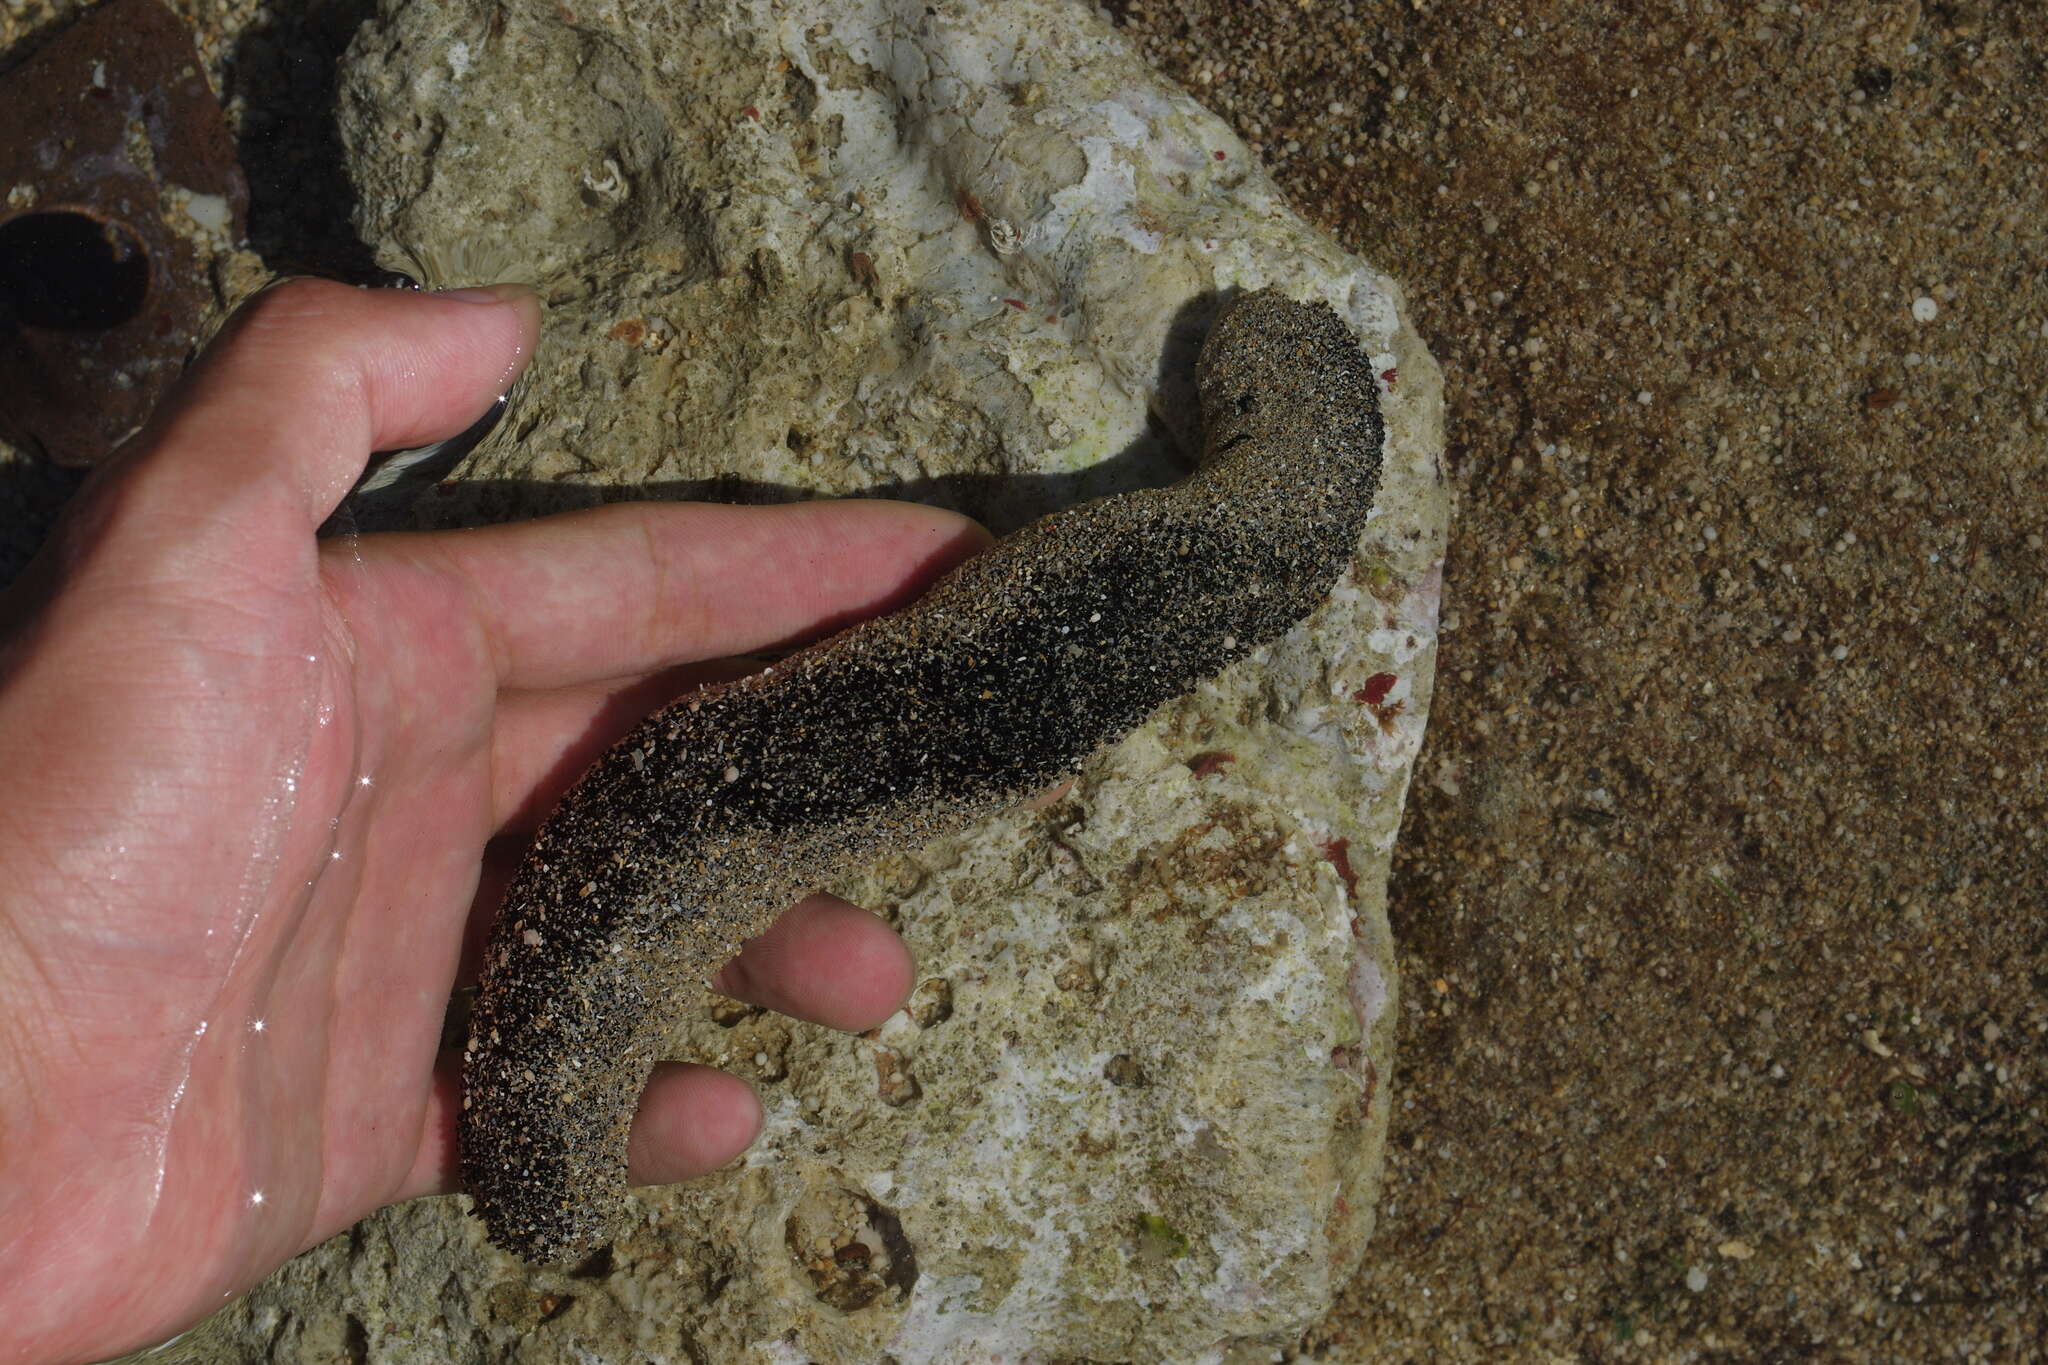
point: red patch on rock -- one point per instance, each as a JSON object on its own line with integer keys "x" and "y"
{"x": 1338, "y": 851}
{"x": 1376, "y": 688}
{"x": 1373, "y": 696}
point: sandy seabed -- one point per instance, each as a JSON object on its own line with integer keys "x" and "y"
{"x": 1723, "y": 893}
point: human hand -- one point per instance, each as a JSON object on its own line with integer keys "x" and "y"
{"x": 263, "y": 788}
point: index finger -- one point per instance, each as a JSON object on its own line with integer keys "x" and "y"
{"x": 624, "y": 590}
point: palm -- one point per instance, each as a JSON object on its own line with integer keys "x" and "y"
{"x": 267, "y": 783}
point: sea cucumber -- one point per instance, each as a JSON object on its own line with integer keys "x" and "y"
{"x": 692, "y": 833}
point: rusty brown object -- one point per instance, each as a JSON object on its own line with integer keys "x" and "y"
{"x": 118, "y": 178}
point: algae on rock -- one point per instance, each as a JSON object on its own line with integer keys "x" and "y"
{"x": 962, "y": 253}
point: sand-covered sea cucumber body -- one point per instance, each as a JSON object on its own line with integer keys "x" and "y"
{"x": 721, "y": 810}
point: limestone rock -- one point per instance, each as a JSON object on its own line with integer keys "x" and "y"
{"x": 962, "y": 253}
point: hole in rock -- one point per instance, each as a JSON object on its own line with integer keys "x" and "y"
{"x": 71, "y": 272}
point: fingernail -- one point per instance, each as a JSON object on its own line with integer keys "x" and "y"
{"x": 488, "y": 293}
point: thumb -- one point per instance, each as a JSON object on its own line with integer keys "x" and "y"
{"x": 278, "y": 418}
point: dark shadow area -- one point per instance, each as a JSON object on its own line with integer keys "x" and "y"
{"x": 301, "y": 203}
{"x": 32, "y": 489}
{"x": 1001, "y": 502}
{"x": 33, "y": 492}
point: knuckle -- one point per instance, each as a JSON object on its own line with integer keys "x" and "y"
{"x": 310, "y": 329}
{"x": 291, "y": 303}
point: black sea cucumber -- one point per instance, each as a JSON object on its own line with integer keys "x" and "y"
{"x": 721, "y": 810}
